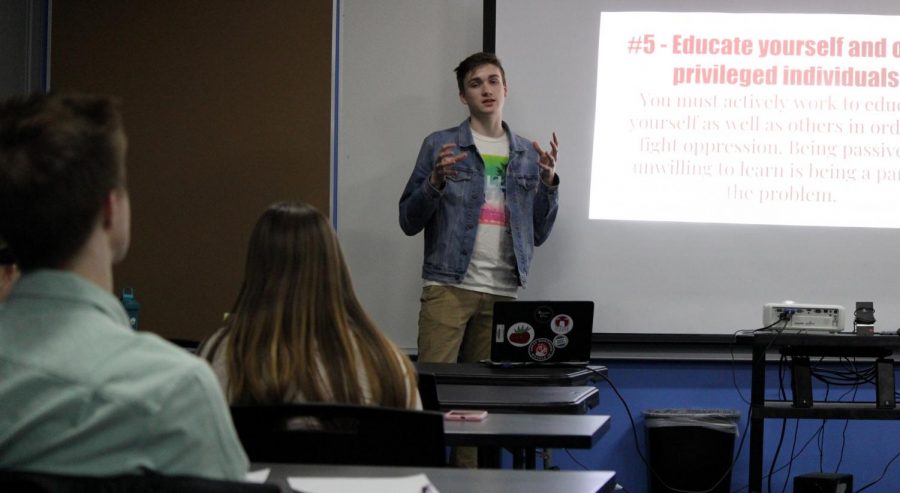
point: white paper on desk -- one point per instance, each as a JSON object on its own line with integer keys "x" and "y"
{"x": 403, "y": 484}
{"x": 258, "y": 476}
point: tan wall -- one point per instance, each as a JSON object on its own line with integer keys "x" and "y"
{"x": 227, "y": 107}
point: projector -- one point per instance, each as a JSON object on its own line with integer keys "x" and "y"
{"x": 798, "y": 317}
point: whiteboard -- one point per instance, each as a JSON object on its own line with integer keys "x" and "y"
{"x": 396, "y": 85}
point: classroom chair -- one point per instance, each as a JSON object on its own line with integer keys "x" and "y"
{"x": 147, "y": 482}
{"x": 317, "y": 433}
{"x": 428, "y": 392}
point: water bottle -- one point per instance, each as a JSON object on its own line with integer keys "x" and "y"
{"x": 132, "y": 307}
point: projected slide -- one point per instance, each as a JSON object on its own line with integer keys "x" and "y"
{"x": 780, "y": 119}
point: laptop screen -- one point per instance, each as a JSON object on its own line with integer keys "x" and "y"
{"x": 542, "y": 332}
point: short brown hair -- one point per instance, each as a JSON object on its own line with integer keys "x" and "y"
{"x": 60, "y": 156}
{"x": 474, "y": 61}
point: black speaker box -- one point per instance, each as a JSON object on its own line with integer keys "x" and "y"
{"x": 801, "y": 381}
{"x": 884, "y": 384}
{"x": 823, "y": 483}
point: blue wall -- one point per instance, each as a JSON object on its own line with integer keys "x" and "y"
{"x": 870, "y": 445}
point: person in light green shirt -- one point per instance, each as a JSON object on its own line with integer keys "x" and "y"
{"x": 81, "y": 393}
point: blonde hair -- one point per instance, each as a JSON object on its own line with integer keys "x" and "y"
{"x": 297, "y": 325}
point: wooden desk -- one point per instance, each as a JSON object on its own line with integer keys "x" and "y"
{"x": 519, "y": 398}
{"x": 481, "y": 374}
{"x": 453, "y": 480}
{"x": 523, "y": 434}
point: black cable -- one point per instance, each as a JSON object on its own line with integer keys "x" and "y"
{"x": 883, "y": 472}
{"x": 844, "y": 378}
{"x": 840, "y": 382}
{"x": 835, "y": 376}
{"x": 783, "y": 395}
{"x": 851, "y": 371}
{"x": 822, "y": 436}
{"x": 644, "y": 459}
{"x": 837, "y": 467}
{"x": 783, "y": 318}
{"x": 865, "y": 377}
{"x": 819, "y": 434}
{"x": 793, "y": 457}
{"x": 790, "y": 462}
{"x": 821, "y": 445}
{"x": 777, "y": 452}
{"x": 576, "y": 460}
{"x": 734, "y": 371}
{"x": 781, "y": 373}
{"x": 789, "y": 465}
{"x": 627, "y": 410}
{"x": 852, "y": 378}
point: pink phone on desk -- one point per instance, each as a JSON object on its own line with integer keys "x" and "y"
{"x": 465, "y": 415}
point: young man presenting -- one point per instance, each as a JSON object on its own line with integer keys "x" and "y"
{"x": 485, "y": 198}
{"x": 81, "y": 393}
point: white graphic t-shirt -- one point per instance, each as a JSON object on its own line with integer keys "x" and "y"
{"x": 493, "y": 265}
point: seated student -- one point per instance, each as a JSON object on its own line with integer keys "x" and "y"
{"x": 9, "y": 273}
{"x": 81, "y": 393}
{"x": 297, "y": 331}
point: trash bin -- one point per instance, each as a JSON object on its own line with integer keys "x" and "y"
{"x": 690, "y": 449}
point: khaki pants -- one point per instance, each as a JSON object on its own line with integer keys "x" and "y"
{"x": 455, "y": 326}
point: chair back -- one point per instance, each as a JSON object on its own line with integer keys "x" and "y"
{"x": 36, "y": 482}
{"x": 428, "y": 392}
{"x": 318, "y": 433}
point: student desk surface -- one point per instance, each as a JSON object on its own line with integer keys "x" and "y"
{"x": 454, "y": 480}
{"x": 519, "y": 398}
{"x": 528, "y": 430}
{"x": 482, "y": 374}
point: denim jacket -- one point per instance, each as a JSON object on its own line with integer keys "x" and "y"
{"x": 450, "y": 216}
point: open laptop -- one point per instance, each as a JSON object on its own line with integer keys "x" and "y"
{"x": 542, "y": 333}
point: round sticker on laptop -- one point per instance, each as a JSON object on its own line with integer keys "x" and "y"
{"x": 560, "y": 341}
{"x": 543, "y": 313}
{"x": 561, "y": 324}
{"x": 541, "y": 349}
{"x": 520, "y": 334}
